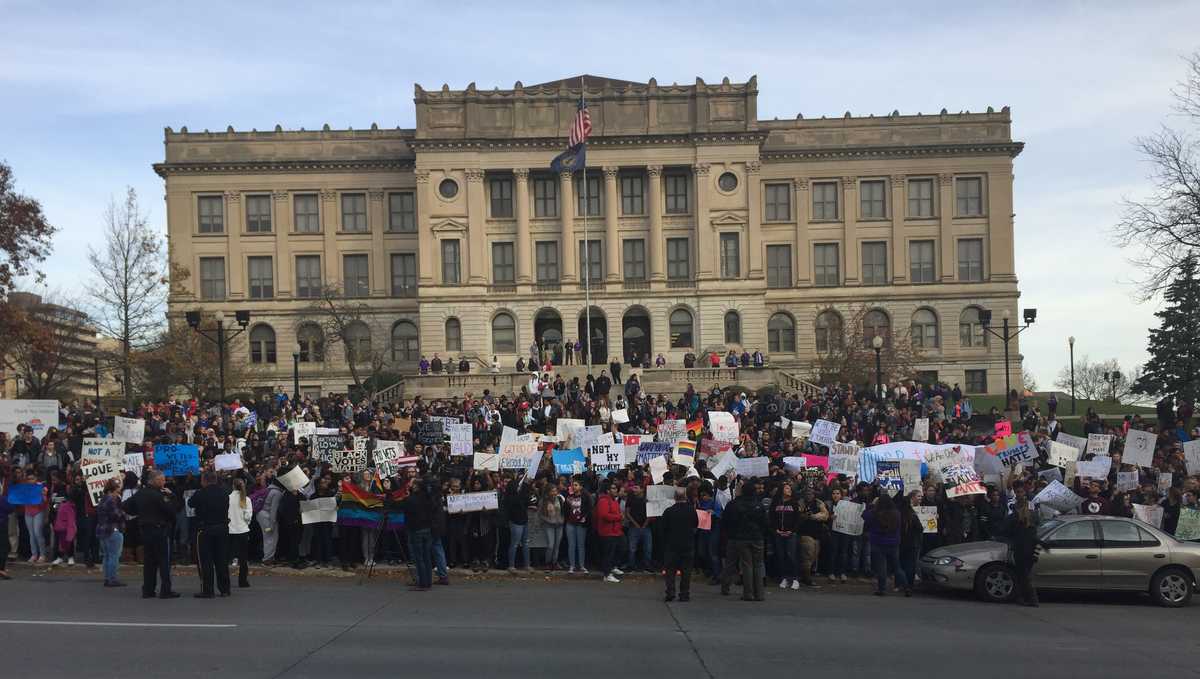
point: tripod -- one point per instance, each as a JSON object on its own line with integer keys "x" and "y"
{"x": 379, "y": 531}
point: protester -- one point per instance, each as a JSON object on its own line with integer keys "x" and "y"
{"x": 240, "y": 514}
{"x": 679, "y": 530}
{"x": 110, "y": 531}
{"x": 881, "y": 521}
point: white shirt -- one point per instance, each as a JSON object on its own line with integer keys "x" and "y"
{"x": 239, "y": 516}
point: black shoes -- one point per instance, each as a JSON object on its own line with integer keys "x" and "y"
{"x": 669, "y": 598}
{"x": 169, "y": 595}
{"x": 683, "y": 598}
{"x": 202, "y": 595}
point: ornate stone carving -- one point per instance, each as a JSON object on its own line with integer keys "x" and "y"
{"x": 701, "y": 169}
{"x": 946, "y": 179}
{"x": 849, "y": 183}
{"x": 474, "y": 175}
{"x": 654, "y": 170}
{"x": 611, "y": 172}
{"x": 566, "y": 176}
{"x": 753, "y": 167}
{"x": 802, "y": 184}
{"x": 521, "y": 173}
{"x": 329, "y": 196}
{"x": 422, "y": 176}
{"x": 898, "y": 180}
{"x": 375, "y": 196}
{"x": 233, "y": 197}
{"x": 280, "y": 196}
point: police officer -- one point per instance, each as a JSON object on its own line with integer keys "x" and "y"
{"x": 155, "y": 508}
{"x": 211, "y": 504}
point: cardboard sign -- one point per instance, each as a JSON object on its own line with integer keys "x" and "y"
{"x": 647, "y": 451}
{"x": 387, "y": 458}
{"x": 1051, "y": 474}
{"x": 325, "y": 446}
{"x": 712, "y": 448}
{"x": 134, "y": 463}
{"x": 632, "y": 443}
{"x": 227, "y": 462}
{"x": 671, "y": 431}
{"x": 1013, "y": 450}
{"x": 1060, "y": 454}
{"x": 462, "y": 440}
{"x": 843, "y": 458}
{"x": 1098, "y": 444}
{"x": 1188, "y": 527}
{"x": 962, "y": 480}
{"x": 303, "y": 430}
{"x": 348, "y": 461}
{"x": 1191, "y": 456}
{"x": 569, "y": 462}
{"x": 658, "y": 499}
{"x": 659, "y": 468}
{"x": 723, "y": 426}
{"x": 825, "y": 432}
{"x": 887, "y": 473}
{"x": 1127, "y": 481}
{"x": 294, "y": 480}
{"x": 1139, "y": 448}
{"x": 431, "y": 433}
{"x": 319, "y": 510}
{"x": 486, "y": 461}
{"x": 1058, "y": 497}
{"x": 516, "y": 455}
{"x": 1077, "y": 442}
{"x": 1003, "y": 428}
{"x": 794, "y": 464}
{"x": 727, "y": 461}
{"x": 1151, "y": 514}
{"x": 178, "y": 459}
{"x": 928, "y": 517}
{"x": 1096, "y": 468}
{"x": 95, "y": 476}
{"x": 920, "y": 430}
{"x": 566, "y": 428}
{"x": 753, "y": 467}
{"x": 129, "y": 430}
{"x": 620, "y": 416}
{"x": 910, "y": 474}
{"x": 847, "y": 517}
{"x": 465, "y": 503}
{"x": 99, "y": 450}
{"x": 606, "y": 457}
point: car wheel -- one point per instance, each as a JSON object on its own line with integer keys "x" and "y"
{"x": 1171, "y": 587}
{"x": 996, "y": 583}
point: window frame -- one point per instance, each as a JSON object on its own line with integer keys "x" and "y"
{"x": 824, "y": 334}
{"x": 595, "y": 194}
{"x": 504, "y": 201}
{"x": 547, "y": 269}
{"x": 735, "y": 271}
{"x": 451, "y": 265}
{"x": 677, "y": 193}
{"x": 362, "y": 280}
{"x": 206, "y": 223}
{"x": 411, "y": 351}
{"x": 970, "y": 373}
{"x": 914, "y": 263}
{"x": 677, "y": 340}
{"x": 545, "y": 197}
{"x": 674, "y": 263}
{"x": 300, "y": 220}
{"x": 968, "y": 264}
{"x": 867, "y": 339}
{"x": 736, "y": 336}
{"x": 404, "y": 279}
{"x": 304, "y": 283}
{"x": 407, "y": 213}
{"x": 875, "y": 278}
{"x": 881, "y": 201}
{"x": 772, "y": 203}
{"x": 504, "y": 349}
{"x": 819, "y": 207}
{"x": 918, "y": 331}
{"x": 929, "y": 182}
{"x": 263, "y": 351}
{"x": 258, "y": 286}
{"x": 311, "y": 347}
{"x": 507, "y": 248}
{"x": 821, "y": 270}
{"x": 630, "y": 197}
{"x": 206, "y": 282}
{"x": 960, "y": 199}
{"x": 255, "y": 222}
{"x": 596, "y": 264}
{"x": 978, "y": 337}
{"x": 778, "y": 265}
{"x": 453, "y": 340}
{"x": 628, "y": 264}
{"x": 344, "y": 201}
{"x": 777, "y": 342}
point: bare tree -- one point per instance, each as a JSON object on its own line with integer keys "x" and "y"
{"x": 181, "y": 358}
{"x": 850, "y": 358}
{"x": 1164, "y": 227}
{"x": 1028, "y": 380}
{"x": 1094, "y": 381}
{"x": 47, "y": 346}
{"x": 129, "y": 284}
{"x": 343, "y": 320}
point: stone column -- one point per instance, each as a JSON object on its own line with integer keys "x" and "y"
{"x": 754, "y": 228}
{"x": 803, "y": 257}
{"x": 998, "y": 210}
{"x": 654, "y": 207}
{"x": 426, "y": 246}
{"x": 477, "y": 236}
{"x": 899, "y": 249}
{"x": 706, "y": 247}
{"x": 570, "y": 245}
{"x": 612, "y": 237}
{"x": 377, "y": 261}
{"x": 852, "y": 254}
{"x": 281, "y": 218}
{"x": 521, "y": 175}
{"x": 946, "y": 227}
{"x": 235, "y": 286}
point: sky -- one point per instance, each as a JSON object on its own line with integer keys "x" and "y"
{"x": 87, "y": 88}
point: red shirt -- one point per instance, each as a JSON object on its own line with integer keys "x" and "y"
{"x": 608, "y": 517}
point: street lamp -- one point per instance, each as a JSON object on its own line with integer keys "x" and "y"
{"x": 220, "y": 338}
{"x": 1112, "y": 378}
{"x": 1006, "y": 334}
{"x": 296, "y": 374}
{"x": 1071, "y": 343}
{"x": 877, "y": 345}
{"x": 96, "y": 375}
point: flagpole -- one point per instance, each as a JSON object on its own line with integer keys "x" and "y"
{"x": 587, "y": 255}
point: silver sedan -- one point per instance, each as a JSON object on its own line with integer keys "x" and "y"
{"x": 1085, "y": 553}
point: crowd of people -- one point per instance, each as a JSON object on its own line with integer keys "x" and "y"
{"x": 775, "y": 527}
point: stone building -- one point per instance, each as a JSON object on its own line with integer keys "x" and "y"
{"x": 698, "y": 226}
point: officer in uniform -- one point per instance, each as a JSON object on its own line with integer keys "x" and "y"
{"x": 155, "y": 508}
{"x": 211, "y": 504}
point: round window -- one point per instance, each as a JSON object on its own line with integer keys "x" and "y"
{"x": 727, "y": 181}
{"x": 448, "y": 188}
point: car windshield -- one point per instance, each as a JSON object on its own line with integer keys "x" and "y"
{"x": 1047, "y": 526}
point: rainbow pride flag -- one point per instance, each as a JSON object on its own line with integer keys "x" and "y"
{"x": 364, "y": 509}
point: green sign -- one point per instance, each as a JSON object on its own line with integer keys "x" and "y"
{"x": 1189, "y": 524}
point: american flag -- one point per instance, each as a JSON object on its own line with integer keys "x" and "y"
{"x": 581, "y": 127}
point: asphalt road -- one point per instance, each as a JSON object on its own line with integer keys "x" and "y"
{"x": 318, "y": 627}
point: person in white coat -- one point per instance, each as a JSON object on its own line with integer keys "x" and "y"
{"x": 268, "y": 520}
{"x": 240, "y": 514}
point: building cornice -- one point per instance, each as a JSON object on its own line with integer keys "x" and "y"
{"x": 552, "y": 143}
{"x": 1010, "y": 149}
{"x": 282, "y": 166}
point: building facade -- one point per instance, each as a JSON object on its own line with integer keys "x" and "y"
{"x": 697, "y": 226}
{"x": 67, "y": 366}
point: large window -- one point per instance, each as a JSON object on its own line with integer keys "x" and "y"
{"x": 402, "y": 212}
{"x": 634, "y": 256}
{"x": 781, "y": 334}
{"x": 976, "y": 381}
{"x": 779, "y": 266}
{"x": 262, "y": 280}
{"x": 874, "y": 263}
{"x": 969, "y": 194}
{"x": 308, "y": 276}
{"x": 633, "y": 199}
{"x": 307, "y": 211}
{"x": 504, "y": 334}
{"x": 354, "y": 212}
{"x": 547, "y": 261}
{"x": 262, "y": 344}
{"x": 453, "y": 335}
{"x": 876, "y": 324}
{"x": 731, "y": 256}
{"x": 212, "y": 278}
{"x": 872, "y": 199}
{"x": 545, "y": 197}
{"x": 258, "y": 214}
{"x": 920, "y": 197}
{"x": 733, "y": 328}
{"x": 450, "y": 262}
{"x": 212, "y": 213}
{"x": 679, "y": 260}
{"x": 922, "y": 267}
{"x": 500, "y": 190}
{"x": 970, "y": 260}
{"x": 503, "y": 268}
{"x": 592, "y": 194}
{"x": 311, "y": 342}
{"x": 826, "y": 264}
{"x": 779, "y": 202}
{"x": 925, "y": 329}
{"x": 404, "y": 274}
{"x": 358, "y": 342}
{"x": 829, "y": 331}
{"x": 681, "y": 329}
{"x": 677, "y": 194}
{"x": 970, "y": 329}
{"x": 591, "y": 261}
{"x": 405, "y": 344}
{"x": 824, "y": 201}
{"x": 356, "y": 276}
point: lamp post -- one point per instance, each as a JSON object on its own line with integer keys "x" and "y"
{"x": 1071, "y": 343}
{"x": 877, "y": 345}
{"x": 220, "y": 338}
{"x": 1006, "y": 334}
{"x": 1112, "y": 378}
{"x": 296, "y": 374}
{"x": 96, "y": 375}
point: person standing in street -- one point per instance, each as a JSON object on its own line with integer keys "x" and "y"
{"x": 240, "y": 515}
{"x": 155, "y": 507}
{"x": 110, "y": 531}
{"x": 679, "y": 530}
{"x": 418, "y": 511}
{"x": 608, "y": 527}
{"x": 268, "y": 520}
{"x": 211, "y": 504}
{"x": 749, "y": 530}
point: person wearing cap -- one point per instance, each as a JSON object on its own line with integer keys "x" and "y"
{"x": 679, "y": 530}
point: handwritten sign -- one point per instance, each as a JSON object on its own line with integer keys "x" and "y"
{"x": 658, "y": 468}
{"x": 1058, "y": 497}
{"x": 752, "y": 467}
{"x": 386, "y": 456}
{"x": 517, "y": 454}
{"x": 466, "y": 503}
{"x": 723, "y": 426}
{"x": 1098, "y": 444}
{"x": 726, "y": 461}
{"x": 1060, "y": 454}
{"x": 620, "y": 416}
{"x": 325, "y": 446}
{"x": 1151, "y": 514}
{"x": 485, "y": 461}
{"x": 303, "y": 430}
{"x": 318, "y": 510}
{"x": 847, "y": 517}
{"x": 648, "y": 450}
{"x": 1096, "y": 468}
{"x": 227, "y": 462}
{"x": 1003, "y": 428}
{"x": 1077, "y": 442}
{"x": 843, "y": 458}
{"x": 1127, "y": 481}
{"x": 431, "y": 433}
{"x": 461, "y": 440}
{"x": 99, "y": 450}
{"x": 961, "y": 480}
{"x": 1139, "y": 448}
{"x": 177, "y": 459}
{"x": 887, "y": 473}
{"x": 348, "y": 461}
{"x": 134, "y": 463}
{"x": 129, "y": 430}
{"x": 658, "y": 499}
{"x": 96, "y": 475}
{"x": 606, "y": 456}
{"x": 671, "y": 431}
{"x": 1191, "y": 456}
{"x": 1188, "y": 527}
{"x": 569, "y": 462}
{"x": 294, "y": 479}
{"x": 928, "y": 517}
{"x": 825, "y": 432}
{"x": 1013, "y": 450}
{"x": 920, "y": 430}
{"x": 566, "y": 428}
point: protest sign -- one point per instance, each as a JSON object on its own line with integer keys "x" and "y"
{"x": 98, "y": 474}
{"x": 348, "y": 461}
{"x": 1151, "y": 514}
{"x": 961, "y": 480}
{"x": 303, "y": 430}
{"x": 486, "y": 461}
{"x": 1096, "y": 468}
{"x": 227, "y": 462}
{"x": 1127, "y": 481}
{"x": 431, "y": 433}
{"x": 177, "y": 459}
{"x": 910, "y": 475}
{"x": 606, "y": 457}
{"x": 466, "y": 503}
{"x": 928, "y": 517}
{"x": 324, "y": 446}
{"x": 723, "y": 426}
{"x": 295, "y": 479}
{"x": 658, "y": 499}
{"x": 684, "y": 453}
{"x": 39, "y": 414}
{"x": 801, "y": 429}
{"x": 726, "y": 461}
{"x": 671, "y": 431}
{"x": 1164, "y": 481}
{"x": 99, "y": 450}
{"x": 712, "y": 448}
{"x": 620, "y": 416}
{"x": 703, "y": 519}
{"x": 649, "y": 450}
{"x": 1077, "y": 442}
{"x": 461, "y": 440}
{"x": 517, "y": 454}
{"x": 1191, "y": 456}
{"x": 794, "y": 464}
{"x": 1139, "y": 448}
{"x": 920, "y": 430}
{"x": 1003, "y": 428}
{"x": 387, "y": 456}
{"x": 133, "y": 463}
{"x": 319, "y": 510}
{"x": 1051, "y": 474}
{"x": 129, "y": 430}
{"x": 508, "y": 434}
{"x": 25, "y": 494}
{"x": 1060, "y": 454}
{"x": 566, "y": 429}
{"x": 446, "y": 421}
{"x": 847, "y": 517}
{"x": 843, "y": 459}
{"x": 1013, "y": 449}
{"x": 1058, "y": 497}
{"x": 1188, "y": 527}
{"x": 887, "y": 473}
{"x": 631, "y": 443}
{"x": 752, "y": 467}
{"x": 658, "y": 468}
{"x": 825, "y": 432}
{"x": 937, "y": 457}
{"x": 569, "y": 462}
{"x": 1098, "y": 444}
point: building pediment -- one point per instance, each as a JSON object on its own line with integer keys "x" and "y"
{"x": 449, "y": 225}
{"x": 728, "y": 219}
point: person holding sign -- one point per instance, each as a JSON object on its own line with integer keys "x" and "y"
{"x": 882, "y": 523}
{"x": 155, "y": 508}
{"x": 110, "y": 531}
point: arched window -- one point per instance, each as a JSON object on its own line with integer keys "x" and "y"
{"x": 405, "y": 345}
{"x": 358, "y": 342}
{"x": 311, "y": 342}
{"x": 781, "y": 334}
{"x": 829, "y": 331}
{"x": 925, "y": 329}
{"x": 733, "y": 328}
{"x": 504, "y": 334}
{"x": 262, "y": 344}
{"x": 681, "y": 329}
{"x": 453, "y": 335}
{"x": 970, "y": 329}
{"x": 876, "y": 324}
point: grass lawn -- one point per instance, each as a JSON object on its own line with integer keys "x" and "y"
{"x": 984, "y": 404}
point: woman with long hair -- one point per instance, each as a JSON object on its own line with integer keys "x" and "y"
{"x": 881, "y": 521}
{"x": 240, "y": 513}
{"x": 110, "y": 531}
{"x": 551, "y": 512}
{"x": 577, "y": 515}
{"x": 785, "y": 519}
{"x": 1023, "y": 541}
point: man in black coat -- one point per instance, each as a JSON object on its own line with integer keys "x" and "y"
{"x": 155, "y": 508}
{"x": 679, "y": 528}
{"x": 615, "y": 368}
{"x": 211, "y": 504}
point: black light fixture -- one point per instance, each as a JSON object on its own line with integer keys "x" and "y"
{"x": 220, "y": 337}
{"x": 193, "y": 319}
{"x": 1030, "y": 316}
{"x": 243, "y": 318}
{"x": 1005, "y": 334}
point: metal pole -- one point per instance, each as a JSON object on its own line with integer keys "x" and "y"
{"x": 221, "y": 356}
{"x": 878, "y": 376}
{"x": 96, "y": 372}
{"x": 296, "y": 376}
{"x": 1007, "y": 386}
{"x": 1072, "y": 345}
{"x": 587, "y": 255}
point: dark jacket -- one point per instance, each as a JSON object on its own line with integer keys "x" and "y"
{"x": 153, "y": 508}
{"x": 679, "y": 528}
{"x": 750, "y": 519}
{"x": 212, "y": 508}
{"x": 418, "y": 511}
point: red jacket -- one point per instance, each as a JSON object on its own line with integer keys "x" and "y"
{"x": 608, "y": 517}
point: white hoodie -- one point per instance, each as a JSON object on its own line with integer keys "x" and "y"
{"x": 239, "y": 516}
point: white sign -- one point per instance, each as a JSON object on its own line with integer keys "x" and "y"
{"x": 658, "y": 468}
{"x": 801, "y": 429}
{"x": 1060, "y": 454}
{"x": 1058, "y": 497}
{"x": 97, "y": 475}
{"x": 1151, "y": 514}
{"x": 1096, "y": 468}
{"x": 129, "y": 430}
{"x": 726, "y": 461}
{"x": 565, "y": 431}
{"x": 1165, "y": 480}
{"x": 487, "y": 461}
{"x": 910, "y": 475}
{"x": 928, "y": 517}
{"x": 99, "y": 450}
{"x": 305, "y": 430}
{"x": 847, "y": 517}
{"x": 462, "y": 439}
{"x": 348, "y": 461}
{"x": 1127, "y": 481}
{"x": 1191, "y": 455}
{"x": 794, "y": 464}
{"x": 723, "y": 426}
{"x": 227, "y": 462}
{"x": 620, "y": 416}
{"x": 1139, "y": 448}
{"x": 631, "y": 443}
{"x": 295, "y": 479}
{"x": 1098, "y": 444}
{"x": 508, "y": 434}
{"x": 39, "y": 414}
{"x": 386, "y": 457}
{"x": 920, "y": 430}
{"x": 825, "y": 432}
{"x": 134, "y": 463}
{"x": 606, "y": 455}
{"x": 672, "y": 431}
{"x": 1077, "y": 442}
{"x": 658, "y": 499}
{"x": 752, "y": 467}
{"x": 464, "y": 503}
{"x": 320, "y": 510}
{"x": 843, "y": 458}
{"x": 516, "y": 455}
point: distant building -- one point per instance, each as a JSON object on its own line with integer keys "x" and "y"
{"x": 698, "y": 226}
{"x": 73, "y": 352}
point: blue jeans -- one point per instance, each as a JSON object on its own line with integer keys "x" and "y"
{"x": 576, "y": 545}
{"x": 785, "y": 547}
{"x": 554, "y": 534}
{"x": 516, "y": 538}
{"x": 111, "y": 548}
{"x": 886, "y": 558}
{"x": 841, "y": 553}
{"x": 420, "y": 543}
{"x": 36, "y": 525}
{"x": 644, "y": 537}
{"x": 439, "y": 558}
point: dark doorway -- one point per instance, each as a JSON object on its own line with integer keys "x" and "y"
{"x": 547, "y": 329}
{"x": 599, "y": 343}
{"x": 635, "y": 334}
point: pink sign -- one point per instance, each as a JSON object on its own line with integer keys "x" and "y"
{"x": 703, "y": 519}
{"x": 1003, "y": 428}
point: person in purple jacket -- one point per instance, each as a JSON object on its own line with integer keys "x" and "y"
{"x": 882, "y": 523}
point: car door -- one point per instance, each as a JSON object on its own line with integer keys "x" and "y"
{"x": 1129, "y": 553}
{"x": 1073, "y": 558}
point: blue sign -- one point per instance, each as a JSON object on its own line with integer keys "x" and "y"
{"x": 570, "y": 461}
{"x": 177, "y": 459}
{"x": 24, "y": 494}
{"x": 888, "y": 476}
{"x": 652, "y": 449}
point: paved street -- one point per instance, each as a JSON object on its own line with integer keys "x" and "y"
{"x": 318, "y": 627}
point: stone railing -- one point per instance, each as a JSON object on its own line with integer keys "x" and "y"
{"x": 792, "y": 383}
{"x": 389, "y": 394}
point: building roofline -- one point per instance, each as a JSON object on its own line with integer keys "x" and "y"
{"x": 282, "y": 166}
